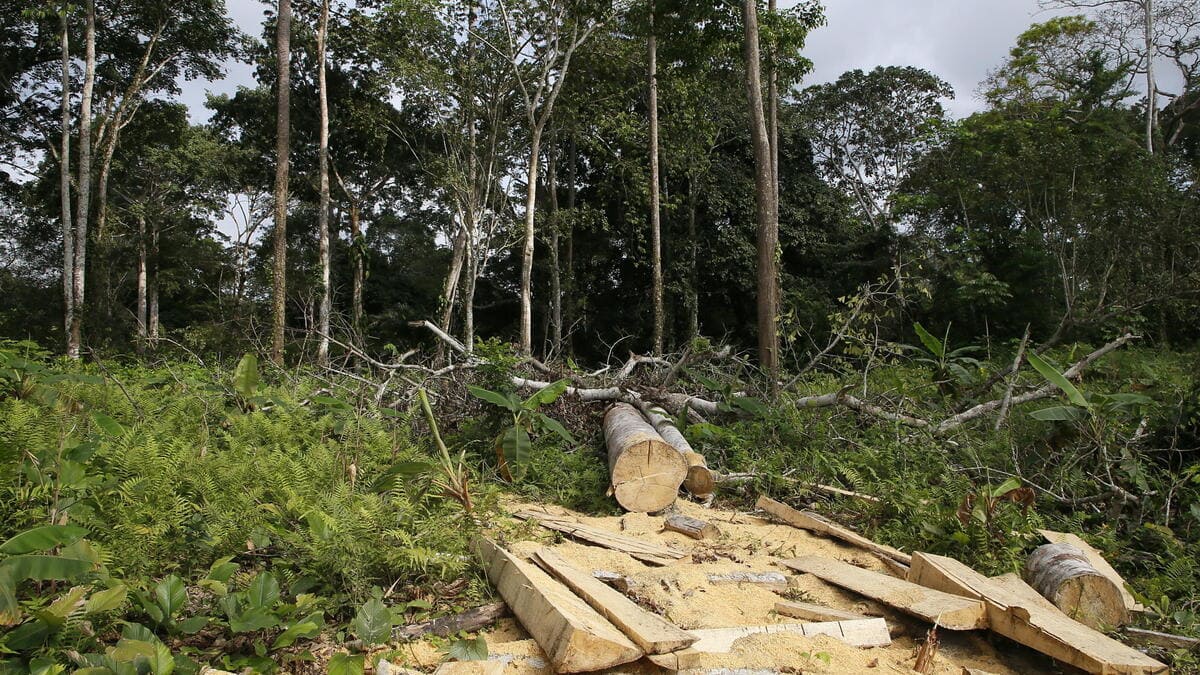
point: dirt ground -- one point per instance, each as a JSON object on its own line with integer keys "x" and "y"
{"x": 682, "y": 593}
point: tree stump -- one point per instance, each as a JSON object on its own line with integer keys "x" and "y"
{"x": 1063, "y": 575}
{"x": 645, "y": 470}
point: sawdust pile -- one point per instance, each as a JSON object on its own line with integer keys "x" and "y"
{"x": 682, "y": 593}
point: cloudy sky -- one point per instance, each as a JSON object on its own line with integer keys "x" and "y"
{"x": 959, "y": 40}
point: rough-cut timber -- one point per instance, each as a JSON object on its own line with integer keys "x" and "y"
{"x": 651, "y": 632}
{"x": 1065, "y": 577}
{"x": 772, "y": 581}
{"x": 860, "y": 633}
{"x": 635, "y": 548}
{"x": 807, "y": 520}
{"x": 811, "y": 612}
{"x": 1166, "y": 640}
{"x": 700, "y": 481}
{"x": 645, "y": 470}
{"x": 945, "y": 609}
{"x": 1098, "y": 562}
{"x": 469, "y": 621}
{"x": 1017, "y": 612}
{"x": 692, "y": 527}
{"x": 573, "y": 635}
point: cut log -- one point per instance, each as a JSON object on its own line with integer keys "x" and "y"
{"x": 635, "y": 548}
{"x": 1063, "y": 575}
{"x": 700, "y": 481}
{"x": 944, "y": 609}
{"x": 1017, "y": 612}
{"x": 651, "y": 632}
{"x": 573, "y": 635}
{"x": 1164, "y": 640}
{"x": 1097, "y": 560}
{"x": 860, "y": 633}
{"x": 811, "y": 612}
{"x": 645, "y": 470}
{"x": 807, "y": 520}
{"x": 692, "y": 527}
{"x": 469, "y": 621}
{"x": 772, "y": 581}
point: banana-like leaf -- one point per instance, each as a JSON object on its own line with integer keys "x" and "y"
{"x": 1056, "y": 378}
{"x": 245, "y": 376}
{"x": 516, "y": 446}
{"x": 56, "y": 613}
{"x": 40, "y": 567}
{"x": 547, "y": 394}
{"x": 494, "y": 397}
{"x": 264, "y": 591}
{"x": 171, "y": 595}
{"x": 106, "y": 600}
{"x": 42, "y": 538}
{"x": 931, "y": 343}
{"x": 553, "y": 425}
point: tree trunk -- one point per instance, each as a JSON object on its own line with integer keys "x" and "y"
{"x": 656, "y": 283}
{"x": 453, "y": 276}
{"x": 693, "y": 272}
{"x": 569, "y": 265}
{"x": 469, "y": 304}
{"x": 152, "y": 301}
{"x": 326, "y": 304}
{"x": 83, "y": 183}
{"x": 1063, "y": 575}
{"x": 1151, "y": 94}
{"x": 700, "y": 480}
{"x": 356, "y": 248}
{"x": 531, "y": 175}
{"x": 773, "y": 119}
{"x": 141, "y": 287}
{"x": 283, "y": 42}
{"x": 64, "y": 186}
{"x": 646, "y": 471}
{"x": 764, "y": 197}
{"x": 555, "y": 273}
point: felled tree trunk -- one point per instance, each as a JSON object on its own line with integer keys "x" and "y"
{"x": 1062, "y": 574}
{"x": 700, "y": 481}
{"x": 646, "y": 471}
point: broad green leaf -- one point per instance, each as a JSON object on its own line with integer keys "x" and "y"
{"x": 40, "y": 567}
{"x": 1006, "y": 487}
{"x": 931, "y": 343}
{"x": 161, "y": 662}
{"x": 468, "y": 650}
{"x": 193, "y": 625}
{"x": 1056, "y": 378}
{"x": 397, "y": 472}
{"x": 42, "y": 538}
{"x": 263, "y": 591}
{"x": 750, "y": 405}
{"x": 1059, "y": 413}
{"x": 136, "y": 631}
{"x": 493, "y": 397}
{"x": 56, "y": 613}
{"x": 516, "y": 446}
{"x": 107, "y": 600}
{"x": 308, "y": 627}
{"x": 27, "y": 636}
{"x": 373, "y": 622}
{"x": 45, "y": 666}
{"x": 553, "y": 425}
{"x": 256, "y": 618}
{"x": 171, "y": 595}
{"x": 10, "y": 612}
{"x": 245, "y": 376}
{"x": 1129, "y": 399}
{"x": 222, "y": 569}
{"x": 346, "y": 664}
{"x": 318, "y": 525}
{"x": 546, "y": 395}
{"x": 108, "y": 425}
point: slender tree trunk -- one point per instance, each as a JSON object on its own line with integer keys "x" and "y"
{"x": 64, "y": 176}
{"x": 283, "y": 44}
{"x": 325, "y": 306}
{"x": 83, "y": 183}
{"x": 773, "y": 119}
{"x": 555, "y": 273}
{"x": 1151, "y": 94}
{"x": 693, "y": 271}
{"x": 142, "y": 333}
{"x": 569, "y": 265}
{"x": 469, "y": 304}
{"x": 152, "y": 300}
{"x": 656, "y": 284}
{"x": 356, "y": 289}
{"x": 764, "y": 197}
{"x": 458, "y": 259}
{"x": 531, "y": 175}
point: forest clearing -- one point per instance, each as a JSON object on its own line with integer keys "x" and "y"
{"x": 555, "y": 336}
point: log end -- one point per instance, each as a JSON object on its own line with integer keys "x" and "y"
{"x": 700, "y": 481}
{"x": 1065, "y": 577}
{"x": 646, "y": 476}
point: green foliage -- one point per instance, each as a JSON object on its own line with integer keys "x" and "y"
{"x": 513, "y": 445}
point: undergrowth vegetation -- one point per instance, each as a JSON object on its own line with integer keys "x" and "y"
{"x": 154, "y": 519}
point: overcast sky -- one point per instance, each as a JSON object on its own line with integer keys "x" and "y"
{"x": 958, "y": 40}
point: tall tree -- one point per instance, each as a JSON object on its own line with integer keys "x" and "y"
{"x": 283, "y": 42}
{"x": 64, "y": 186}
{"x": 764, "y": 198}
{"x": 656, "y": 288}
{"x": 83, "y": 183}
{"x": 324, "y": 250}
